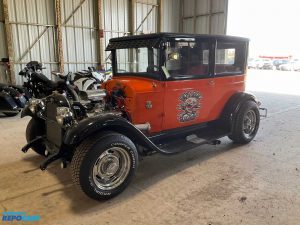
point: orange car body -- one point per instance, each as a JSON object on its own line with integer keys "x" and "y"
{"x": 194, "y": 94}
{"x": 164, "y": 97}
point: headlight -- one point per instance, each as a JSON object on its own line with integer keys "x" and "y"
{"x": 34, "y": 103}
{"x": 64, "y": 115}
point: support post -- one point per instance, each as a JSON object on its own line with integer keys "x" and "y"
{"x": 210, "y": 16}
{"x": 160, "y": 18}
{"x": 226, "y": 16}
{"x": 131, "y": 16}
{"x": 9, "y": 42}
{"x": 100, "y": 34}
{"x": 181, "y": 16}
{"x": 131, "y": 28}
{"x": 60, "y": 50}
{"x": 195, "y": 17}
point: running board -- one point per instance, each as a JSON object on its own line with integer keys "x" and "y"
{"x": 178, "y": 145}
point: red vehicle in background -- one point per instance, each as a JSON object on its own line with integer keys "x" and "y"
{"x": 169, "y": 93}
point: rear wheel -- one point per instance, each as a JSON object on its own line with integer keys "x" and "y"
{"x": 104, "y": 166}
{"x": 34, "y": 129}
{"x": 246, "y": 123}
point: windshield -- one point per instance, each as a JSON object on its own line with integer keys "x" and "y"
{"x": 138, "y": 61}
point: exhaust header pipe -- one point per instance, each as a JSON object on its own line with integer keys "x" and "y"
{"x": 143, "y": 127}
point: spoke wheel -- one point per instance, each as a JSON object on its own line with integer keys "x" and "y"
{"x": 245, "y": 123}
{"x": 249, "y": 123}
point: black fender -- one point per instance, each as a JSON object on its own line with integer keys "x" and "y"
{"x": 7, "y": 103}
{"x": 26, "y": 112}
{"x": 93, "y": 125}
{"x": 233, "y": 105}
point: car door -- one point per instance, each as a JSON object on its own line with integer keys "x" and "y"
{"x": 189, "y": 87}
{"x": 229, "y": 73}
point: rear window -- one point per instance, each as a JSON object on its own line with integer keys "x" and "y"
{"x": 230, "y": 58}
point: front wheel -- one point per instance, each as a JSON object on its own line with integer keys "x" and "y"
{"x": 103, "y": 166}
{"x": 246, "y": 123}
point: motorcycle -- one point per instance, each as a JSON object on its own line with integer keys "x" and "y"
{"x": 40, "y": 86}
{"x": 12, "y": 97}
{"x": 90, "y": 79}
{"x": 8, "y": 105}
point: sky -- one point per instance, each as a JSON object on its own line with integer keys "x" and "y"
{"x": 273, "y": 26}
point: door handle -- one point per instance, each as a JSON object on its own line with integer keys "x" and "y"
{"x": 211, "y": 82}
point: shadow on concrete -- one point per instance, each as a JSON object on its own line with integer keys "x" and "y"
{"x": 151, "y": 170}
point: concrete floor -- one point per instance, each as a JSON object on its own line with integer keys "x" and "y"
{"x": 226, "y": 184}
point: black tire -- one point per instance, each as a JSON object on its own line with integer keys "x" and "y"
{"x": 87, "y": 155}
{"x": 240, "y": 133}
{"x": 34, "y": 129}
{"x": 10, "y": 114}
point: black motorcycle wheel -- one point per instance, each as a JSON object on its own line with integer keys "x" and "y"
{"x": 34, "y": 129}
{"x": 10, "y": 114}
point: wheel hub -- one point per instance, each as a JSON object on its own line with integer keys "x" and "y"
{"x": 111, "y": 168}
{"x": 249, "y": 122}
{"x": 108, "y": 166}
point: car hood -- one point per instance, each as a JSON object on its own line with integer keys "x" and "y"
{"x": 133, "y": 85}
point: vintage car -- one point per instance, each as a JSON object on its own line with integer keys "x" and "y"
{"x": 169, "y": 93}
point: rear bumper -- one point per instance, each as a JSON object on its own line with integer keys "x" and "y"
{"x": 263, "y": 112}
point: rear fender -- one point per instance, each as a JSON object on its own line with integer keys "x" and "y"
{"x": 233, "y": 105}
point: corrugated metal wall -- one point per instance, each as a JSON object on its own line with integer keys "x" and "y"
{"x": 33, "y": 31}
{"x": 146, "y": 16}
{"x": 115, "y": 19}
{"x": 171, "y": 16}
{"x": 205, "y": 16}
{"x": 35, "y": 37}
{"x": 80, "y": 34}
{"x": 3, "y": 52}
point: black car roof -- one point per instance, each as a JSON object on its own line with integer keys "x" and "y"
{"x": 177, "y": 35}
{"x": 150, "y": 40}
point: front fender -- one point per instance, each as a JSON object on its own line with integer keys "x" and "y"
{"x": 93, "y": 125}
{"x": 26, "y": 112}
{"x": 90, "y": 126}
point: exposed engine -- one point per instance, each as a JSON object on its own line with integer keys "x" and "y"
{"x": 101, "y": 101}
{"x": 94, "y": 101}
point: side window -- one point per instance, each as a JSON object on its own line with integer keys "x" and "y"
{"x": 137, "y": 60}
{"x": 187, "y": 57}
{"x": 230, "y": 58}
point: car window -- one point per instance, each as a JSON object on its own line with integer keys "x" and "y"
{"x": 142, "y": 60}
{"x": 187, "y": 58}
{"x": 230, "y": 58}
